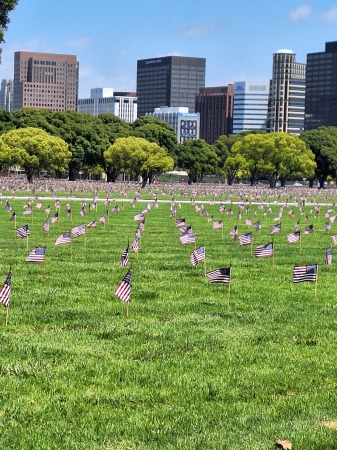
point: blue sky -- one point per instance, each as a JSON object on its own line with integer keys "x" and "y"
{"x": 237, "y": 38}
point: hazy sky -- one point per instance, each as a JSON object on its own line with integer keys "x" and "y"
{"x": 237, "y": 38}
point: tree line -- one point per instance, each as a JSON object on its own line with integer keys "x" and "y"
{"x": 67, "y": 143}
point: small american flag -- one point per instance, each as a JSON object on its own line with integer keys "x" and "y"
{"x": 180, "y": 222}
{"x": 309, "y": 229}
{"x": 135, "y": 245}
{"x": 5, "y": 291}
{"x": 46, "y": 225}
{"x": 125, "y": 257}
{"x": 28, "y": 212}
{"x": 102, "y": 219}
{"x": 264, "y": 251}
{"x": 334, "y": 239}
{"x": 257, "y": 226}
{"x": 304, "y": 273}
{"x": 63, "y": 239}
{"x": 275, "y": 228}
{"x": 328, "y": 256}
{"x": 92, "y": 224}
{"x": 55, "y": 218}
{"x": 82, "y": 212}
{"x": 13, "y": 216}
{"x": 139, "y": 217}
{"x": 23, "y": 232}
{"x": 197, "y": 255}
{"x": 47, "y": 210}
{"x": 222, "y": 275}
{"x": 38, "y": 205}
{"x": 294, "y": 237}
{"x": 246, "y": 239}
{"x": 123, "y": 290}
{"x": 217, "y": 224}
{"x": 326, "y": 226}
{"x": 78, "y": 230}
{"x": 234, "y": 233}
{"x": 188, "y": 238}
{"x": 37, "y": 255}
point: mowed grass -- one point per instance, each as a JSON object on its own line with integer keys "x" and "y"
{"x": 186, "y": 369}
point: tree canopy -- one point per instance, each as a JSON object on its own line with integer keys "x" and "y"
{"x": 137, "y": 156}
{"x": 198, "y": 159}
{"x": 6, "y": 6}
{"x": 34, "y": 149}
{"x": 322, "y": 142}
{"x": 276, "y": 156}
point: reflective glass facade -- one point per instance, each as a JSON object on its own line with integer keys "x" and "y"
{"x": 321, "y": 88}
{"x": 169, "y": 81}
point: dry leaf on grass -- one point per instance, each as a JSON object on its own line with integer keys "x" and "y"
{"x": 284, "y": 443}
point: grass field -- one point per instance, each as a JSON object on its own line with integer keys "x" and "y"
{"x": 185, "y": 369}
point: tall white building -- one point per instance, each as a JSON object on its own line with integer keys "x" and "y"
{"x": 105, "y": 100}
{"x": 287, "y": 94}
{"x": 6, "y": 94}
{"x": 186, "y": 125}
{"x": 250, "y": 106}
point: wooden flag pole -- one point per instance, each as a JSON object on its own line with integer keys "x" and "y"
{"x": 251, "y": 248}
{"x": 27, "y": 241}
{"x": 229, "y": 293}
{"x": 71, "y": 251}
{"x": 316, "y": 282}
{"x": 273, "y": 257}
{"x": 7, "y": 313}
{"x": 127, "y": 309}
{"x": 300, "y": 242}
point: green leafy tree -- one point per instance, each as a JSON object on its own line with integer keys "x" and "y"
{"x": 138, "y": 157}
{"x": 34, "y": 149}
{"x": 223, "y": 147}
{"x": 235, "y": 166}
{"x": 156, "y": 130}
{"x": 198, "y": 159}
{"x": 289, "y": 158}
{"x": 322, "y": 142}
{"x": 6, "y": 6}
{"x": 255, "y": 149}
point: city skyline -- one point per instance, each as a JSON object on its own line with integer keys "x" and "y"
{"x": 108, "y": 38}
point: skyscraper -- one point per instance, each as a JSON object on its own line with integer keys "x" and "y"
{"x": 6, "y": 95}
{"x": 45, "y": 80}
{"x": 321, "y": 88}
{"x": 250, "y": 106}
{"x": 287, "y": 94}
{"x": 215, "y": 105}
{"x": 169, "y": 81}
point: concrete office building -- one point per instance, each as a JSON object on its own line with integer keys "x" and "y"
{"x": 186, "y": 125}
{"x": 171, "y": 81}
{"x": 250, "y": 106}
{"x": 321, "y": 88}
{"x": 286, "y": 94}
{"x": 105, "y": 100}
{"x": 215, "y": 105}
{"x": 45, "y": 80}
{"x": 6, "y": 95}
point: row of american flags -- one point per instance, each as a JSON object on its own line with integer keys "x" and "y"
{"x": 221, "y": 275}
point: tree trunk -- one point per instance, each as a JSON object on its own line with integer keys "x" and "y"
{"x": 29, "y": 174}
{"x": 72, "y": 174}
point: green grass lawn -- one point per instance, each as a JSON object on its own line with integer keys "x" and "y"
{"x": 185, "y": 369}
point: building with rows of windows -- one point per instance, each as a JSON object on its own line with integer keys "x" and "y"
{"x": 45, "y": 80}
